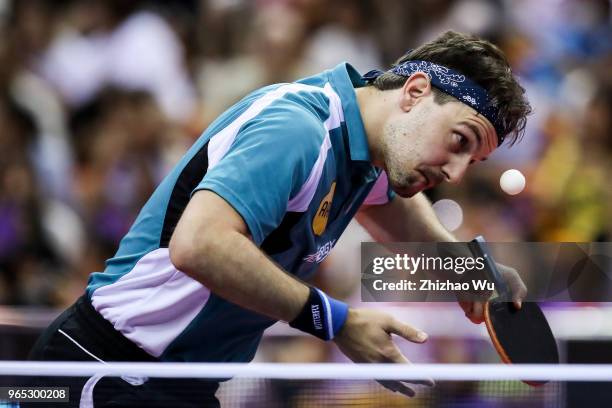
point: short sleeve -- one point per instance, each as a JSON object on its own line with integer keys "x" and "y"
{"x": 381, "y": 193}
{"x": 267, "y": 163}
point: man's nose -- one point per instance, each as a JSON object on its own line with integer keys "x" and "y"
{"x": 456, "y": 167}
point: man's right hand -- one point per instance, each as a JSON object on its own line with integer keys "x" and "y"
{"x": 366, "y": 338}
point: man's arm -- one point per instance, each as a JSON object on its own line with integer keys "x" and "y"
{"x": 404, "y": 220}
{"x": 211, "y": 244}
{"x": 414, "y": 220}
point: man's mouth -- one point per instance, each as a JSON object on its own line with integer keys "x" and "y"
{"x": 426, "y": 183}
{"x": 431, "y": 179}
{"x": 421, "y": 183}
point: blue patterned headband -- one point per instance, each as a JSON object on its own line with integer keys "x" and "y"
{"x": 453, "y": 83}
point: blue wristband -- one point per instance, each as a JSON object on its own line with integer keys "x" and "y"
{"x": 321, "y": 316}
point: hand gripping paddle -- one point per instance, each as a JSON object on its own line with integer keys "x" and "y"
{"x": 520, "y": 336}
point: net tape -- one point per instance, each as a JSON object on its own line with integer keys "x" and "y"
{"x": 317, "y": 371}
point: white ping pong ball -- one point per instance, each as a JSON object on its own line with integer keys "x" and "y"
{"x": 512, "y": 181}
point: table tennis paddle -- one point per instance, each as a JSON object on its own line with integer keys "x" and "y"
{"x": 520, "y": 336}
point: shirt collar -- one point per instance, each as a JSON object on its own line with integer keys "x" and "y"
{"x": 345, "y": 79}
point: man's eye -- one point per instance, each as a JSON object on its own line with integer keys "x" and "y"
{"x": 461, "y": 140}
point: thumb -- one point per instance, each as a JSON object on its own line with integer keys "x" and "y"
{"x": 406, "y": 331}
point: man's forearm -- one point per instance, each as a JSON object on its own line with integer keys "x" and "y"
{"x": 210, "y": 244}
{"x": 234, "y": 268}
{"x": 404, "y": 220}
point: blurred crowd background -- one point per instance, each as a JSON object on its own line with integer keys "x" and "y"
{"x": 99, "y": 98}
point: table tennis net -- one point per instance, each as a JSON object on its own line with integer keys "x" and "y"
{"x": 309, "y": 385}
{"x": 359, "y": 393}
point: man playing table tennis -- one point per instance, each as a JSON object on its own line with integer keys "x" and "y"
{"x": 223, "y": 247}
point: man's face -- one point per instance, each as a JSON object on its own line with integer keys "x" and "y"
{"x": 431, "y": 143}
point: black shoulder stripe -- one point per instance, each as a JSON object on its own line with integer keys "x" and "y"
{"x": 189, "y": 178}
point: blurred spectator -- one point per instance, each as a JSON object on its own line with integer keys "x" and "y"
{"x": 114, "y": 43}
{"x": 117, "y": 141}
{"x": 570, "y": 186}
{"x": 29, "y": 264}
{"x": 351, "y": 31}
{"x": 99, "y": 99}
{"x": 271, "y": 52}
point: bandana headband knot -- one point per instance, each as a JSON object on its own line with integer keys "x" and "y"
{"x": 452, "y": 83}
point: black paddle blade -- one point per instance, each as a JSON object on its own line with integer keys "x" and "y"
{"x": 521, "y": 336}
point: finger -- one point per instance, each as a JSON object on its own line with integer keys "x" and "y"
{"x": 406, "y": 390}
{"x": 392, "y": 354}
{"x": 397, "y": 357}
{"x": 469, "y": 310}
{"x": 466, "y": 306}
{"x": 519, "y": 292}
{"x": 477, "y": 314}
{"x": 516, "y": 285}
{"x": 408, "y": 332}
{"x": 397, "y": 386}
{"x": 429, "y": 382}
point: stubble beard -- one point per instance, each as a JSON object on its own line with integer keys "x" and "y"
{"x": 400, "y": 160}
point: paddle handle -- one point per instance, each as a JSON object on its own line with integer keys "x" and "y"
{"x": 479, "y": 248}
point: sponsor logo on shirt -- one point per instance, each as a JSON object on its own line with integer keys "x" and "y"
{"x": 321, "y": 253}
{"x": 319, "y": 223}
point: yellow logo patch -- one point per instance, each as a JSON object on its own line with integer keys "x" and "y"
{"x": 320, "y": 220}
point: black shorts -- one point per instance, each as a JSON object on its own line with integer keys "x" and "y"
{"x": 82, "y": 334}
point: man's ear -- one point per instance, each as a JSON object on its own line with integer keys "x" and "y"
{"x": 415, "y": 88}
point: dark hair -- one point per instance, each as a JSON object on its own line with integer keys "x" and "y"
{"x": 484, "y": 64}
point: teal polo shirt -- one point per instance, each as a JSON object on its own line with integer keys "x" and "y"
{"x": 293, "y": 160}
